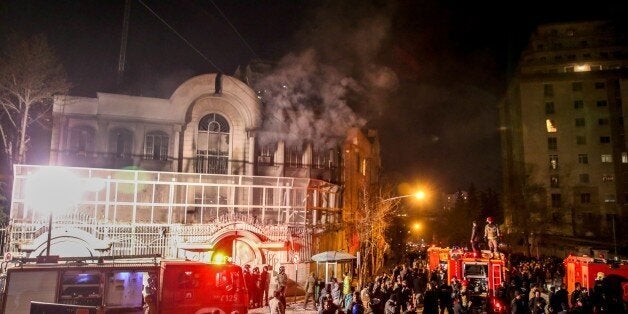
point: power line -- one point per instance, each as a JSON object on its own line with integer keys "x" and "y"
{"x": 180, "y": 36}
{"x": 234, "y": 29}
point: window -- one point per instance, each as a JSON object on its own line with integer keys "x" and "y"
{"x": 602, "y": 121}
{"x": 609, "y": 198}
{"x": 607, "y": 158}
{"x": 608, "y": 178}
{"x": 605, "y": 139}
{"x": 581, "y": 140}
{"x": 585, "y": 198}
{"x": 553, "y": 162}
{"x": 580, "y": 122}
{"x": 551, "y": 126}
{"x": 601, "y": 103}
{"x": 81, "y": 140}
{"x": 212, "y": 144}
{"x": 548, "y": 90}
{"x": 267, "y": 154}
{"x": 121, "y": 143}
{"x": 554, "y": 181}
{"x": 552, "y": 143}
{"x": 156, "y": 146}
{"x": 576, "y": 86}
{"x": 624, "y": 157}
{"x": 556, "y": 200}
{"x": 294, "y": 156}
{"x": 599, "y": 85}
{"x": 584, "y": 178}
{"x": 578, "y": 104}
{"x": 549, "y": 107}
{"x": 320, "y": 158}
{"x": 583, "y": 159}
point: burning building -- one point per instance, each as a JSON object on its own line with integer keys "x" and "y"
{"x": 194, "y": 176}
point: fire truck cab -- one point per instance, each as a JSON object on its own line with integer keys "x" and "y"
{"x": 483, "y": 273}
{"x": 124, "y": 287}
{"x": 584, "y": 269}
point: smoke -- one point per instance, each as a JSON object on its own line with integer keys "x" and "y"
{"x": 334, "y": 82}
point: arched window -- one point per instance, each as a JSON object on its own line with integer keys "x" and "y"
{"x": 212, "y": 144}
{"x": 156, "y": 146}
{"x": 81, "y": 140}
{"x": 121, "y": 143}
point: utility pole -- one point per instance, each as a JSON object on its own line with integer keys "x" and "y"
{"x": 123, "y": 41}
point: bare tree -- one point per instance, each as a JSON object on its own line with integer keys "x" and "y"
{"x": 30, "y": 77}
{"x": 371, "y": 227}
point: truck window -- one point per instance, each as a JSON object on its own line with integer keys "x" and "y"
{"x": 81, "y": 288}
{"x": 26, "y": 286}
{"x": 475, "y": 270}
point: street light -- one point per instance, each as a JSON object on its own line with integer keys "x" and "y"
{"x": 419, "y": 195}
{"x": 50, "y": 190}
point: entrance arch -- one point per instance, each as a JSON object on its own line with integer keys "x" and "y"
{"x": 241, "y": 246}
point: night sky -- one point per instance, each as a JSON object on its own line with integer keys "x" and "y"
{"x": 426, "y": 74}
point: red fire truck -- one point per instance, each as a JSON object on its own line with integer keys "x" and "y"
{"x": 128, "y": 286}
{"x": 483, "y": 273}
{"x": 585, "y": 269}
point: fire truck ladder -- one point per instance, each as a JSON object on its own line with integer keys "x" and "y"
{"x": 497, "y": 275}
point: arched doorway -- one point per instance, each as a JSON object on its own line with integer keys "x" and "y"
{"x": 241, "y": 246}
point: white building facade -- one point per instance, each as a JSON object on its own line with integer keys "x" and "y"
{"x": 184, "y": 177}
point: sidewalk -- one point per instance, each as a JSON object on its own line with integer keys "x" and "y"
{"x": 293, "y": 307}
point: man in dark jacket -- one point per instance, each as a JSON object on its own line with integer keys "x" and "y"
{"x": 518, "y": 304}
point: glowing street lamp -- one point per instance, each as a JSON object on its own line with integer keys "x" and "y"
{"x": 51, "y": 190}
{"x": 419, "y": 195}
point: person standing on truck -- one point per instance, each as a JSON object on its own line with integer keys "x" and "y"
{"x": 475, "y": 238}
{"x": 491, "y": 234}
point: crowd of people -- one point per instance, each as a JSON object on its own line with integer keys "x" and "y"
{"x": 534, "y": 286}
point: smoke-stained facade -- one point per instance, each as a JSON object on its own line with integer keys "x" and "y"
{"x": 191, "y": 176}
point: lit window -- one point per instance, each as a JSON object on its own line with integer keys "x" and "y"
{"x": 584, "y": 178}
{"x": 580, "y": 122}
{"x": 552, "y": 143}
{"x": 608, "y": 178}
{"x": 605, "y": 139}
{"x": 609, "y": 198}
{"x": 553, "y": 162}
{"x": 578, "y": 104}
{"x": 556, "y": 200}
{"x": 554, "y": 182}
{"x": 606, "y": 158}
{"x": 576, "y": 86}
{"x": 549, "y": 107}
{"x": 583, "y": 159}
{"x": 601, "y": 103}
{"x": 582, "y": 68}
{"x": 156, "y": 146}
{"x": 624, "y": 157}
{"x": 585, "y": 198}
{"x": 551, "y": 126}
{"x": 581, "y": 140}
